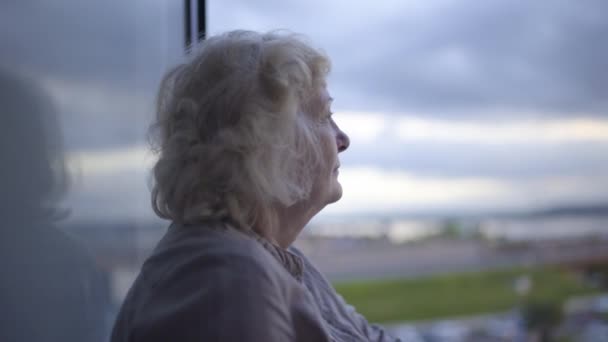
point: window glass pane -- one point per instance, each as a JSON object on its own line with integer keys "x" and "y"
{"x": 77, "y": 84}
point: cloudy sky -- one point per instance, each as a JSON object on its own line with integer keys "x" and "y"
{"x": 450, "y": 105}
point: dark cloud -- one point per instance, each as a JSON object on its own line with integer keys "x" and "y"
{"x": 449, "y": 57}
{"x": 539, "y": 56}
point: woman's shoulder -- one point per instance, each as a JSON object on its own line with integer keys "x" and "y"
{"x": 204, "y": 249}
{"x": 202, "y": 275}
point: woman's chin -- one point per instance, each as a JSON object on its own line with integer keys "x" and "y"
{"x": 336, "y": 193}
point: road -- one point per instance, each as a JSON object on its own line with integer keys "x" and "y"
{"x": 351, "y": 260}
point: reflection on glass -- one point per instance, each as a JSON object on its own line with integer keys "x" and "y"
{"x": 51, "y": 288}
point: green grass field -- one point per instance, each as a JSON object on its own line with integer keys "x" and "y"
{"x": 459, "y": 294}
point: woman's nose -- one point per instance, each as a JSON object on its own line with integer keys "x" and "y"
{"x": 342, "y": 140}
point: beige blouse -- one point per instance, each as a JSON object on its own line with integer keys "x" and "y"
{"x": 214, "y": 283}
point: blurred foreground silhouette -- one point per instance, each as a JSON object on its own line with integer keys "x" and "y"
{"x": 50, "y": 288}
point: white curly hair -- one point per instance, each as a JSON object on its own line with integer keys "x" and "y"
{"x": 234, "y": 134}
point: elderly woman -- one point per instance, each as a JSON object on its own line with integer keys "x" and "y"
{"x": 248, "y": 154}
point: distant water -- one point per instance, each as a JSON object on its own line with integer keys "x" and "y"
{"x": 559, "y": 227}
{"x": 401, "y": 230}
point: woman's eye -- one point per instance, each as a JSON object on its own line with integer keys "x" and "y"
{"x": 325, "y": 117}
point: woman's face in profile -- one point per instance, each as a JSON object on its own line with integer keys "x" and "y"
{"x": 326, "y": 188}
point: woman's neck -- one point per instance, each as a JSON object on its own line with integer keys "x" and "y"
{"x": 290, "y": 222}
